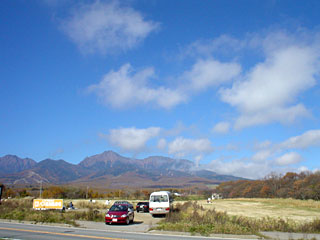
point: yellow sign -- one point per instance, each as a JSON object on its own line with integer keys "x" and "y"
{"x": 47, "y": 203}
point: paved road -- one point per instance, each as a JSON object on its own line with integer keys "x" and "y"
{"x": 23, "y": 231}
{"x": 42, "y": 232}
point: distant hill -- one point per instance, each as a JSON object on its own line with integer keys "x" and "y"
{"x": 48, "y": 171}
{"x": 110, "y": 170}
{"x": 13, "y": 164}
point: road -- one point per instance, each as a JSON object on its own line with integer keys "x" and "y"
{"x": 43, "y": 232}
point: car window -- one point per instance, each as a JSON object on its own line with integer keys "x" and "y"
{"x": 118, "y": 208}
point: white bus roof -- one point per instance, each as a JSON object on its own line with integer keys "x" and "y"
{"x": 166, "y": 192}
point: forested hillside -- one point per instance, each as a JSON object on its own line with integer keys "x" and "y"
{"x": 305, "y": 185}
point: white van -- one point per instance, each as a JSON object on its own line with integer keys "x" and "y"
{"x": 160, "y": 202}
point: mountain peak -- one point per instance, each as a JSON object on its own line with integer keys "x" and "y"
{"x": 109, "y": 153}
{"x": 14, "y": 164}
{"x": 103, "y": 160}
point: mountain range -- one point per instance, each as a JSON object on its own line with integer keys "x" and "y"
{"x": 109, "y": 170}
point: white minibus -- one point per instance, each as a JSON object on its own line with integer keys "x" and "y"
{"x": 160, "y": 203}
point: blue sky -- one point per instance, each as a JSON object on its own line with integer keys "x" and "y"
{"x": 230, "y": 85}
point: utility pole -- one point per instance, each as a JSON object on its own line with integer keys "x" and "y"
{"x": 1, "y": 190}
{"x": 40, "y": 189}
{"x": 87, "y": 192}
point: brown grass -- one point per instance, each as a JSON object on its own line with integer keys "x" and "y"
{"x": 295, "y": 210}
{"x": 195, "y": 218}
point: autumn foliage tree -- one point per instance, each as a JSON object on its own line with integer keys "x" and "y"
{"x": 305, "y": 185}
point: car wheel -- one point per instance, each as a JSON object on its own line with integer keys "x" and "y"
{"x": 137, "y": 210}
{"x": 128, "y": 221}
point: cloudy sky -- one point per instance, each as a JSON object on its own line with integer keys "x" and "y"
{"x": 230, "y": 85}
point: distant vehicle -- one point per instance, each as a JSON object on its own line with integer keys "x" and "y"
{"x": 160, "y": 203}
{"x": 120, "y": 213}
{"x": 142, "y": 207}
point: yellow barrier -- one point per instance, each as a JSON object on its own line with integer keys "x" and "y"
{"x": 47, "y": 204}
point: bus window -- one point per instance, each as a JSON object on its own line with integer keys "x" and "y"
{"x": 159, "y": 198}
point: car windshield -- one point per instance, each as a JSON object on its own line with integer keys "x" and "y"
{"x": 118, "y": 208}
{"x": 159, "y": 198}
{"x": 121, "y": 202}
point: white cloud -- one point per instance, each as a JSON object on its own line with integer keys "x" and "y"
{"x": 262, "y": 145}
{"x": 181, "y": 147}
{"x": 262, "y": 155}
{"x": 269, "y": 157}
{"x": 104, "y": 26}
{"x": 221, "y": 127}
{"x": 307, "y": 139}
{"x": 276, "y": 154}
{"x": 269, "y": 90}
{"x": 240, "y": 168}
{"x": 276, "y": 114}
{"x": 125, "y": 88}
{"x": 303, "y": 169}
{"x": 288, "y": 159}
{"x": 208, "y": 73}
{"x": 132, "y": 139}
{"x": 223, "y": 44}
{"x": 162, "y": 144}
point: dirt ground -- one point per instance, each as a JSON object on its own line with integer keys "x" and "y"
{"x": 146, "y": 218}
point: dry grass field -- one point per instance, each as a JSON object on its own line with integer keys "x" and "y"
{"x": 297, "y": 210}
{"x": 228, "y": 216}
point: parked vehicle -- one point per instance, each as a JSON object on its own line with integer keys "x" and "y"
{"x": 142, "y": 207}
{"x": 120, "y": 213}
{"x": 160, "y": 203}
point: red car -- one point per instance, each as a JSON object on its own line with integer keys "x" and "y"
{"x": 120, "y": 213}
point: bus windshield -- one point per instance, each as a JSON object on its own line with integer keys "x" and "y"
{"x": 159, "y": 198}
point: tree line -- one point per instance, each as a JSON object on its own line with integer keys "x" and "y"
{"x": 304, "y": 185}
{"x": 61, "y": 192}
{"x": 69, "y": 192}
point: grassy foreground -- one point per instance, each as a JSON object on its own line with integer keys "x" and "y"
{"x": 194, "y": 218}
{"x": 21, "y": 209}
